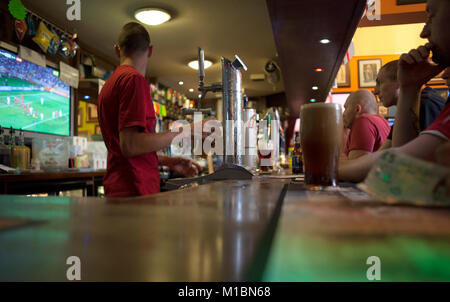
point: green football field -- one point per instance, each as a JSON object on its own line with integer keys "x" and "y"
{"x": 41, "y": 111}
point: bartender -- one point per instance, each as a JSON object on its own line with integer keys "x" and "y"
{"x": 127, "y": 120}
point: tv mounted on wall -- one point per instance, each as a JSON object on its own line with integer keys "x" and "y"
{"x": 32, "y": 97}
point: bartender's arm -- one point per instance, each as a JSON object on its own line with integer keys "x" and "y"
{"x": 134, "y": 142}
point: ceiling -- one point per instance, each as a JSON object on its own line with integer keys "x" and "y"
{"x": 221, "y": 28}
{"x": 298, "y": 27}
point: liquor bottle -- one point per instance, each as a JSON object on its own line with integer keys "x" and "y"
{"x": 297, "y": 157}
{"x": 5, "y": 149}
{"x": 25, "y": 151}
{"x": 20, "y": 154}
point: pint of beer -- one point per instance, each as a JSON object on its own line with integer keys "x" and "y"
{"x": 321, "y": 136}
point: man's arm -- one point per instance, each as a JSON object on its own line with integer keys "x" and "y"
{"x": 354, "y": 154}
{"x": 414, "y": 70}
{"x": 387, "y": 145}
{"x": 134, "y": 142}
{"x": 422, "y": 147}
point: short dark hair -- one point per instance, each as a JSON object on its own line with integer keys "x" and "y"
{"x": 391, "y": 70}
{"x": 133, "y": 37}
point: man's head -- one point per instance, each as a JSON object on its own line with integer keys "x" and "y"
{"x": 134, "y": 41}
{"x": 387, "y": 87}
{"x": 359, "y": 102}
{"x": 437, "y": 31}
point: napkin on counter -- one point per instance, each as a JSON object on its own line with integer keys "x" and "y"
{"x": 398, "y": 178}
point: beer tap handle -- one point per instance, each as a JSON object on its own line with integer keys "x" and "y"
{"x": 238, "y": 63}
{"x": 201, "y": 65}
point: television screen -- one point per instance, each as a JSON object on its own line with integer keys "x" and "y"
{"x": 32, "y": 97}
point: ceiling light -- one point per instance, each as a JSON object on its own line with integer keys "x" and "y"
{"x": 181, "y": 83}
{"x": 152, "y": 16}
{"x": 325, "y": 41}
{"x": 315, "y": 88}
{"x": 191, "y": 90}
{"x": 319, "y": 70}
{"x": 194, "y": 64}
{"x": 199, "y": 96}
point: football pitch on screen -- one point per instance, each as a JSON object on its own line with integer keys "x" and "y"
{"x": 38, "y": 111}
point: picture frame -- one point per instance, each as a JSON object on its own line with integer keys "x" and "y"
{"x": 92, "y": 114}
{"x": 343, "y": 76}
{"x": 80, "y": 118}
{"x": 97, "y": 130}
{"x": 367, "y": 72}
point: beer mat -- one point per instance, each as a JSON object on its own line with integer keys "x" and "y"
{"x": 344, "y": 192}
{"x": 398, "y": 178}
{"x": 9, "y": 223}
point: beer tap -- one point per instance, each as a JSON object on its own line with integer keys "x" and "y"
{"x": 203, "y": 90}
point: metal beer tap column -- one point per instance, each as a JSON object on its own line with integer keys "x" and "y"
{"x": 232, "y": 118}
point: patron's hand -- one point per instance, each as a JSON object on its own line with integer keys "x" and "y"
{"x": 416, "y": 69}
{"x": 184, "y": 166}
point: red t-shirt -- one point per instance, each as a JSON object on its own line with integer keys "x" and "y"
{"x": 368, "y": 133}
{"x": 125, "y": 102}
{"x": 441, "y": 126}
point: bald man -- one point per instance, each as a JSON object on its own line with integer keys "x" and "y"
{"x": 368, "y": 130}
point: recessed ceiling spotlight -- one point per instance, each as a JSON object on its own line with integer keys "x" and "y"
{"x": 315, "y": 88}
{"x": 325, "y": 41}
{"x": 181, "y": 83}
{"x": 191, "y": 90}
{"x": 194, "y": 64}
{"x": 152, "y": 16}
{"x": 319, "y": 69}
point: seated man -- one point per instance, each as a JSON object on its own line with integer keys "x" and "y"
{"x": 415, "y": 69}
{"x": 368, "y": 130}
{"x": 387, "y": 90}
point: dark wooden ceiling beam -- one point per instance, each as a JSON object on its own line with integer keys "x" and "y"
{"x": 298, "y": 26}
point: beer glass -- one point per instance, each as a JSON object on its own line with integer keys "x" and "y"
{"x": 321, "y": 128}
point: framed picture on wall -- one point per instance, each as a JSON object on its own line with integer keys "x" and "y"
{"x": 367, "y": 72}
{"x": 343, "y": 76}
{"x": 92, "y": 115}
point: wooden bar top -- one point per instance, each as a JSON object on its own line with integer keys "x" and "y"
{"x": 208, "y": 233}
{"x": 50, "y": 175}
{"x": 223, "y": 231}
{"x": 331, "y": 239}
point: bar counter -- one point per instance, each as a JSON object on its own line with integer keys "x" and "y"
{"x": 233, "y": 230}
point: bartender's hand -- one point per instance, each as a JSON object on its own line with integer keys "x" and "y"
{"x": 416, "y": 69}
{"x": 184, "y": 166}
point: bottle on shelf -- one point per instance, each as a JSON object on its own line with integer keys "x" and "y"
{"x": 297, "y": 156}
{"x": 5, "y": 149}
{"x": 20, "y": 154}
